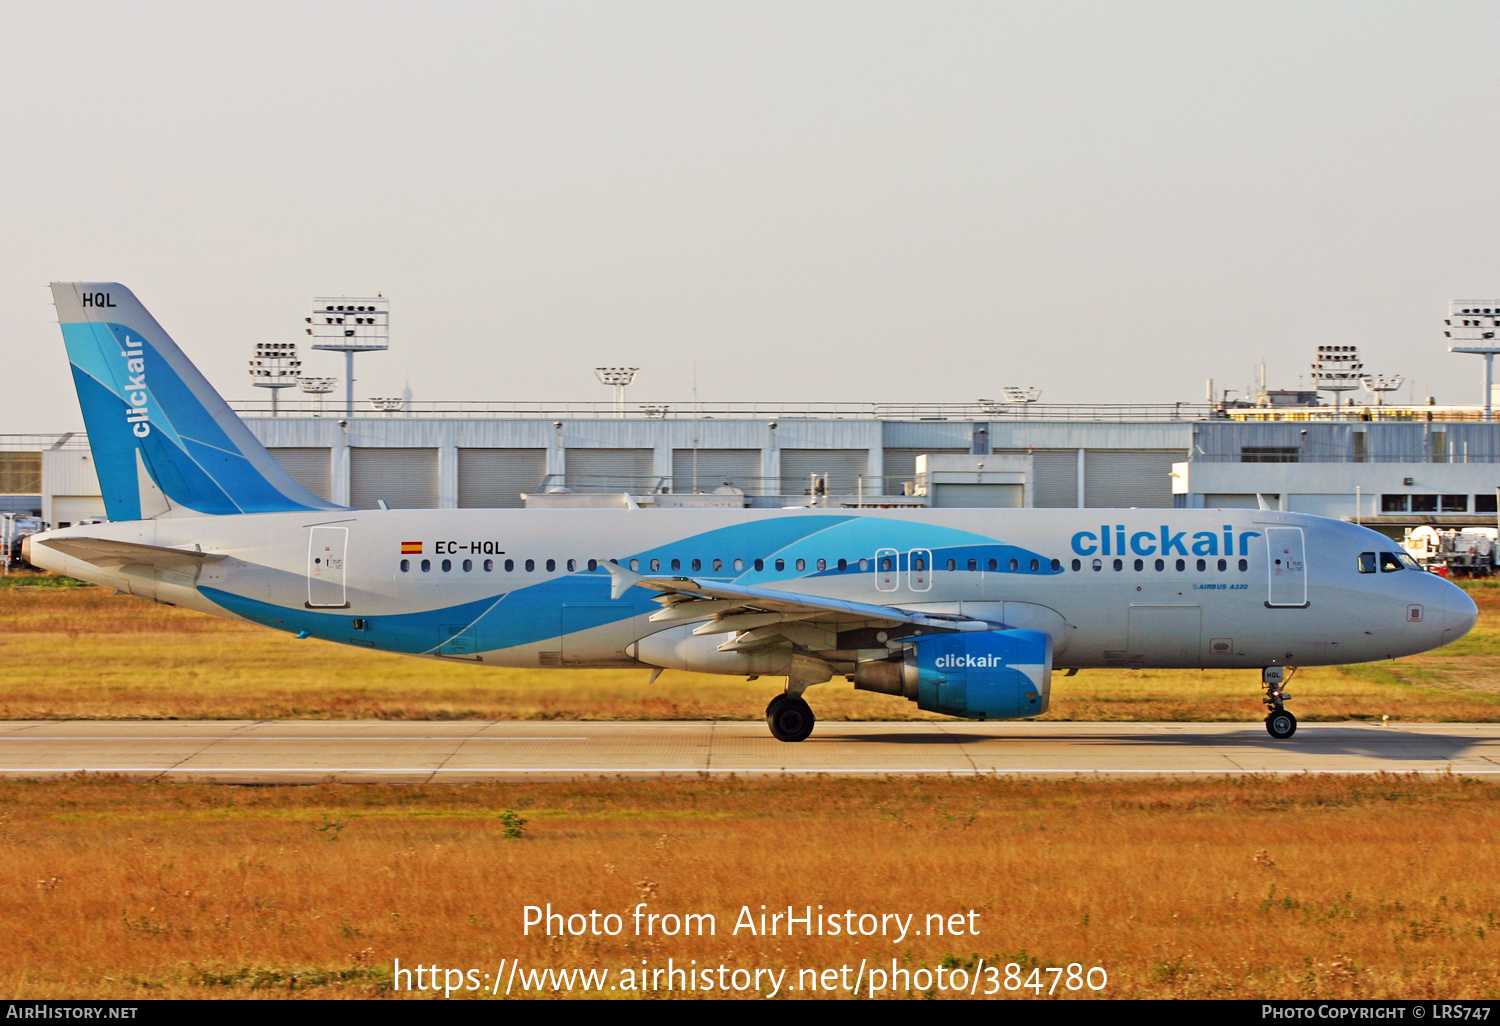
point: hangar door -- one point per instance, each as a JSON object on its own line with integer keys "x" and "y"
{"x": 403, "y": 478}
{"x": 1115, "y": 478}
{"x": 308, "y": 467}
{"x": 609, "y": 470}
{"x": 703, "y": 470}
{"x": 496, "y": 478}
{"x": 844, "y": 468}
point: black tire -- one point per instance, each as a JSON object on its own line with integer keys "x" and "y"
{"x": 772, "y": 706}
{"x": 1281, "y": 725}
{"x": 790, "y": 719}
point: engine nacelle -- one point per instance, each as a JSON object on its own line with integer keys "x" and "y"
{"x": 981, "y": 675}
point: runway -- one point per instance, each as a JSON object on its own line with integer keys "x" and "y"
{"x": 307, "y": 751}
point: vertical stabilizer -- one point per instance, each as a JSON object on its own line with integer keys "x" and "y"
{"x": 164, "y": 442}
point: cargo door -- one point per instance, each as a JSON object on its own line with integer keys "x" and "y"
{"x": 458, "y": 642}
{"x": 1165, "y": 636}
{"x": 325, "y": 568}
{"x": 1287, "y": 567}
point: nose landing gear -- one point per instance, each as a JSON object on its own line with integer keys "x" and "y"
{"x": 1280, "y": 724}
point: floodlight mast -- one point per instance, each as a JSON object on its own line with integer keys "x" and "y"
{"x": 348, "y": 325}
{"x": 318, "y": 387}
{"x": 619, "y": 377}
{"x": 275, "y": 366}
{"x": 1338, "y": 369}
{"x": 1476, "y": 320}
{"x": 1380, "y": 384}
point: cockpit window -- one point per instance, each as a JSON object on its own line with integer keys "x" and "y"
{"x": 1367, "y": 562}
{"x": 1390, "y": 562}
{"x": 1408, "y": 562}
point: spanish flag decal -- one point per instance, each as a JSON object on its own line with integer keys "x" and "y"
{"x": 411, "y": 548}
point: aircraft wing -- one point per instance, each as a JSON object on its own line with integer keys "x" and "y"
{"x": 748, "y": 608}
{"x": 107, "y": 553}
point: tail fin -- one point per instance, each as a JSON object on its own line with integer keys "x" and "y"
{"x": 164, "y": 441}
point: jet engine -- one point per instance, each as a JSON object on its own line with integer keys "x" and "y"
{"x": 982, "y": 675}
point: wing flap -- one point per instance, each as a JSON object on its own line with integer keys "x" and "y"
{"x": 721, "y": 598}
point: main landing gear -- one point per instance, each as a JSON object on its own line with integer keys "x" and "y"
{"x": 1280, "y": 724}
{"x": 790, "y": 718}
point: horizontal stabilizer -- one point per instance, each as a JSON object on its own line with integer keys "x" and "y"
{"x": 106, "y": 553}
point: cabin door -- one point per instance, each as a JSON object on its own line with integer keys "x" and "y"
{"x": 325, "y": 568}
{"x": 1286, "y": 566}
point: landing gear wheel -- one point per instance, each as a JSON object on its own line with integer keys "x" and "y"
{"x": 790, "y": 719}
{"x": 1281, "y": 724}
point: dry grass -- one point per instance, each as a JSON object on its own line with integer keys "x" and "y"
{"x": 1233, "y": 888}
{"x": 83, "y": 653}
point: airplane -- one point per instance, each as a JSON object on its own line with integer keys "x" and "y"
{"x": 966, "y": 612}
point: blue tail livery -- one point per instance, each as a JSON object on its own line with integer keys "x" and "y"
{"x": 164, "y": 442}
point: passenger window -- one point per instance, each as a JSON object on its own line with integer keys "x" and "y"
{"x": 1389, "y": 562}
{"x": 1244, "y": 565}
{"x": 531, "y": 565}
{"x": 510, "y": 566}
{"x": 739, "y": 564}
{"x": 952, "y": 564}
{"x": 885, "y": 564}
{"x": 1367, "y": 562}
{"x": 406, "y": 566}
{"x": 489, "y": 565}
{"x": 974, "y": 564}
{"x": 919, "y": 563}
{"x": 447, "y": 565}
{"x": 1098, "y": 564}
{"x": 1223, "y": 564}
{"x": 993, "y": 564}
{"x": 468, "y": 565}
{"x": 676, "y": 565}
{"x": 801, "y": 565}
{"x": 1077, "y": 564}
{"x": 697, "y": 564}
{"x": 1119, "y": 564}
{"x": 1015, "y": 565}
{"x": 760, "y": 565}
{"x": 1036, "y": 564}
{"x": 426, "y": 565}
{"x": 718, "y": 564}
{"x": 656, "y": 564}
{"x": 593, "y": 564}
{"x": 1161, "y": 564}
{"x": 843, "y": 565}
{"x": 864, "y": 565}
{"x": 1056, "y": 565}
{"x": 635, "y": 564}
{"x": 551, "y": 565}
{"x": 780, "y": 565}
{"x": 1140, "y": 564}
{"x": 1202, "y": 565}
{"x": 572, "y": 565}
{"x": 1181, "y": 564}
{"x": 822, "y": 565}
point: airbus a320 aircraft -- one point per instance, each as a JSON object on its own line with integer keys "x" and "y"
{"x": 964, "y": 611}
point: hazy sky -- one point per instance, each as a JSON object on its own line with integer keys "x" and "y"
{"x": 816, "y": 201}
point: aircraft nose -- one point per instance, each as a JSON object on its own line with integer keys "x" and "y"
{"x": 1459, "y": 613}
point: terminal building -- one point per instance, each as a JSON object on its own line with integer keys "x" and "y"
{"x": 1387, "y": 467}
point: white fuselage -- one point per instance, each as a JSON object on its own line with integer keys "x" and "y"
{"x": 1136, "y": 588}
